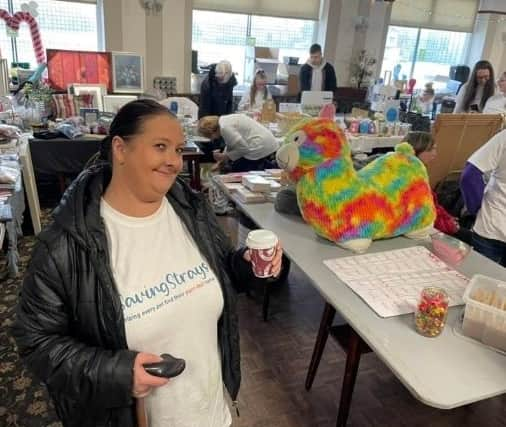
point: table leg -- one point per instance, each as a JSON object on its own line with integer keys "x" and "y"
{"x": 265, "y": 306}
{"x": 63, "y": 184}
{"x": 196, "y": 172}
{"x": 191, "y": 173}
{"x": 323, "y": 333}
{"x": 355, "y": 345}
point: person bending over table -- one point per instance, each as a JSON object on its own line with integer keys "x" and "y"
{"x": 134, "y": 265}
{"x": 248, "y": 144}
{"x": 487, "y": 201}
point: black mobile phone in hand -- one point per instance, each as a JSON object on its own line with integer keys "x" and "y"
{"x": 169, "y": 367}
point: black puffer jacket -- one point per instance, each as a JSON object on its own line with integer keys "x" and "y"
{"x": 216, "y": 99}
{"x": 70, "y": 328}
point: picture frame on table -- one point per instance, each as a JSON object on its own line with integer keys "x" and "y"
{"x": 112, "y": 103}
{"x": 90, "y": 115}
{"x": 127, "y": 73}
{"x": 97, "y": 90}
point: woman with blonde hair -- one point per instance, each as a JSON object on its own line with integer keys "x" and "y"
{"x": 248, "y": 144}
{"x": 257, "y": 95}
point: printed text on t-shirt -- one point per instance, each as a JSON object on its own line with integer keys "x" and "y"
{"x": 166, "y": 291}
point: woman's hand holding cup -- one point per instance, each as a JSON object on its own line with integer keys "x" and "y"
{"x": 264, "y": 252}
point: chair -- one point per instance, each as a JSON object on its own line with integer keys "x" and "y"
{"x": 182, "y": 105}
{"x": 457, "y": 136}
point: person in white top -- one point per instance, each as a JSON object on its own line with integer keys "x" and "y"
{"x": 497, "y": 104}
{"x": 474, "y": 94}
{"x": 248, "y": 144}
{"x": 254, "y": 99}
{"x": 488, "y": 200}
{"x": 134, "y": 266}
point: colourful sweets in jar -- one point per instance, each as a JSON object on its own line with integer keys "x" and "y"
{"x": 431, "y": 312}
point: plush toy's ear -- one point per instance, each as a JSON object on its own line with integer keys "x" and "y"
{"x": 328, "y": 111}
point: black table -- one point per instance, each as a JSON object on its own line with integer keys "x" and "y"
{"x": 67, "y": 157}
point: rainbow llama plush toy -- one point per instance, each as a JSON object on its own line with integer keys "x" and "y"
{"x": 389, "y": 197}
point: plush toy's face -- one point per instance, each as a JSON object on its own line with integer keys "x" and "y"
{"x": 309, "y": 145}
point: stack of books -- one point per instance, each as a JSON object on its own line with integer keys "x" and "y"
{"x": 253, "y": 187}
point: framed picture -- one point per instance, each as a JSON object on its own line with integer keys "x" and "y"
{"x": 127, "y": 73}
{"x": 98, "y": 91}
{"x": 90, "y": 115}
{"x": 65, "y": 67}
{"x": 112, "y": 103}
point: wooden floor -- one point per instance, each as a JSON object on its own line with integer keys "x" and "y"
{"x": 275, "y": 357}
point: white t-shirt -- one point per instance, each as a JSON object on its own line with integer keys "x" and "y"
{"x": 495, "y": 104}
{"x": 244, "y": 137}
{"x": 317, "y": 76}
{"x": 245, "y": 102}
{"x": 171, "y": 302}
{"x": 491, "y": 158}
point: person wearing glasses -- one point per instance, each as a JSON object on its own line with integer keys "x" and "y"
{"x": 497, "y": 104}
{"x": 474, "y": 94}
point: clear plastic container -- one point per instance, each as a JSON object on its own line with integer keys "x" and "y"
{"x": 485, "y": 312}
{"x": 449, "y": 249}
{"x": 431, "y": 312}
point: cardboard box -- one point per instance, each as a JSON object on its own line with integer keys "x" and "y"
{"x": 293, "y": 84}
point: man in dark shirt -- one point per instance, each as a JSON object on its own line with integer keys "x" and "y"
{"x": 317, "y": 74}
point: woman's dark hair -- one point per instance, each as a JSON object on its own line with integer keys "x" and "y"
{"x": 128, "y": 122}
{"x": 420, "y": 141}
{"x": 472, "y": 85}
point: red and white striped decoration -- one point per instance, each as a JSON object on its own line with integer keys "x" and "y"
{"x": 13, "y": 22}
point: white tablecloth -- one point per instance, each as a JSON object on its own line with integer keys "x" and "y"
{"x": 366, "y": 143}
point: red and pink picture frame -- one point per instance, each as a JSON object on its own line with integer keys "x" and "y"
{"x": 65, "y": 67}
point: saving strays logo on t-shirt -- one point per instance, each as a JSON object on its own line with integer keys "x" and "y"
{"x": 175, "y": 285}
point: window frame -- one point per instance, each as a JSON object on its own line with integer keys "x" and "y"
{"x": 249, "y": 35}
{"x": 417, "y": 45}
{"x": 99, "y": 21}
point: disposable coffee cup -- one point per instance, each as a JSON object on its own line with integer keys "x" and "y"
{"x": 262, "y": 245}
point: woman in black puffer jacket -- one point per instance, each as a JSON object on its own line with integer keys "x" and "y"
{"x": 90, "y": 313}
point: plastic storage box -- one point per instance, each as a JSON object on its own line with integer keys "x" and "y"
{"x": 485, "y": 312}
{"x": 449, "y": 249}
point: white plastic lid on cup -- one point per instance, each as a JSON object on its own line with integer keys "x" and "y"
{"x": 261, "y": 239}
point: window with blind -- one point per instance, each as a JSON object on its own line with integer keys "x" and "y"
{"x": 427, "y": 37}
{"x": 219, "y": 35}
{"x": 63, "y": 25}
{"x": 307, "y": 9}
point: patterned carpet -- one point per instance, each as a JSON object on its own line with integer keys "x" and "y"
{"x": 23, "y": 401}
{"x": 275, "y": 356}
